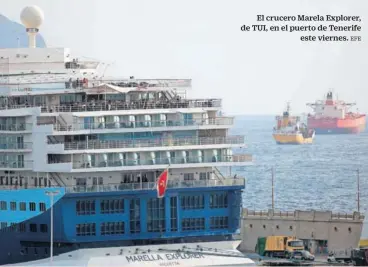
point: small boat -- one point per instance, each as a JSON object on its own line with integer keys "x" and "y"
{"x": 290, "y": 130}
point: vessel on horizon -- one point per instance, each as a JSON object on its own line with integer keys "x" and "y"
{"x": 332, "y": 116}
{"x": 82, "y": 157}
{"x": 290, "y": 130}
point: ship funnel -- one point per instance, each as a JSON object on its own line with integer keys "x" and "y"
{"x": 32, "y": 18}
{"x": 329, "y": 95}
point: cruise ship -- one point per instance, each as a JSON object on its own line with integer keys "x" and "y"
{"x": 81, "y": 156}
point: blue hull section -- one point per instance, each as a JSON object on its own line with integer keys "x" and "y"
{"x": 120, "y": 218}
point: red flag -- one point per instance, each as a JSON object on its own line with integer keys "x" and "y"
{"x": 162, "y": 183}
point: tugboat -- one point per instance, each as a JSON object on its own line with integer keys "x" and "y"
{"x": 332, "y": 116}
{"x": 290, "y": 130}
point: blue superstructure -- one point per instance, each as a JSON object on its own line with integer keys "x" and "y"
{"x": 101, "y": 144}
{"x": 117, "y": 218}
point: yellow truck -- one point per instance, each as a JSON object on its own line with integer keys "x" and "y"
{"x": 278, "y": 246}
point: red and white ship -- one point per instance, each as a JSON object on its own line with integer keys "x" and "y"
{"x": 332, "y": 116}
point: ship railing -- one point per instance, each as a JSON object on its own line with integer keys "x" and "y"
{"x": 14, "y": 146}
{"x": 342, "y": 216}
{"x": 16, "y": 164}
{"x": 265, "y": 213}
{"x": 142, "y": 84}
{"x": 142, "y": 124}
{"x": 157, "y": 142}
{"x": 187, "y": 83}
{"x": 160, "y": 161}
{"x": 277, "y": 213}
{"x": 16, "y": 127}
{"x": 153, "y": 185}
{"x": 122, "y": 105}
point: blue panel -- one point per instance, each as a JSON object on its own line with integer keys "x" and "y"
{"x": 66, "y": 219}
{"x": 25, "y": 195}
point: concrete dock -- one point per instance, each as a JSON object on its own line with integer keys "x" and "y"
{"x": 321, "y": 231}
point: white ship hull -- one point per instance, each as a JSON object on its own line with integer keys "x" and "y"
{"x": 190, "y": 255}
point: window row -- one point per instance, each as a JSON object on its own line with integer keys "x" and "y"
{"x": 221, "y": 222}
{"x": 112, "y": 228}
{"x": 108, "y": 206}
{"x": 192, "y": 202}
{"x": 218, "y": 201}
{"x": 192, "y": 224}
{"x": 22, "y": 227}
{"x": 112, "y": 206}
{"x": 22, "y": 206}
{"x": 107, "y": 228}
{"x": 24, "y": 182}
{"x": 85, "y": 207}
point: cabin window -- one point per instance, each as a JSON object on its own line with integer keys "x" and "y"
{"x": 85, "y": 207}
{"x": 218, "y": 201}
{"x": 192, "y": 202}
{"x": 86, "y": 229}
{"x": 43, "y": 228}
{"x": 112, "y": 206}
{"x": 192, "y": 224}
{"x": 174, "y": 214}
{"x": 112, "y": 228}
{"x": 3, "y": 226}
{"x": 32, "y": 206}
{"x": 204, "y": 175}
{"x": 13, "y": 205}
{"x": 221, "y": 222}
{"x": 188, "y": 176}
{"x": 135, "y": 218}
{"x": 22, "y": 206}
{"x": 156, "y": 215}
{"x": 3, "y": 205}
{"x": 33, "y": 227}
{"x": 42, "y": 206}
{"x": 13, "y": 227}
{"x": 22, "y": 227}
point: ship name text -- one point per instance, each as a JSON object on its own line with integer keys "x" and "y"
{"x": 162, "y": 257}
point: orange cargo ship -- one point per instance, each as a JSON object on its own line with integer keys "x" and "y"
{"x": 332, "y": 116}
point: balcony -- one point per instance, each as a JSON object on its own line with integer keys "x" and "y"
{"x": 178, "y": 162}
{"x": 143, "y": 124}
{"x": 18, "y": 127}
{"x": 152, "y": 185}
{"x": 122, "y": 105}
{"x": 159, "y": 142}
{"x": 16, "y": 165}
{"x": 16, "y": 146}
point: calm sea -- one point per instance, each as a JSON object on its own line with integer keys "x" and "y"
{"x": 320, "y": 176}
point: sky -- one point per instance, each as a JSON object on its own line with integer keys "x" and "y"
{"x": 253, "y": 72}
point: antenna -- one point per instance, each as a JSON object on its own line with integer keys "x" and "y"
{"x": 32, "y": 18}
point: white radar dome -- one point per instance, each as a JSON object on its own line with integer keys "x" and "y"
{"x": 32, "y": 17}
